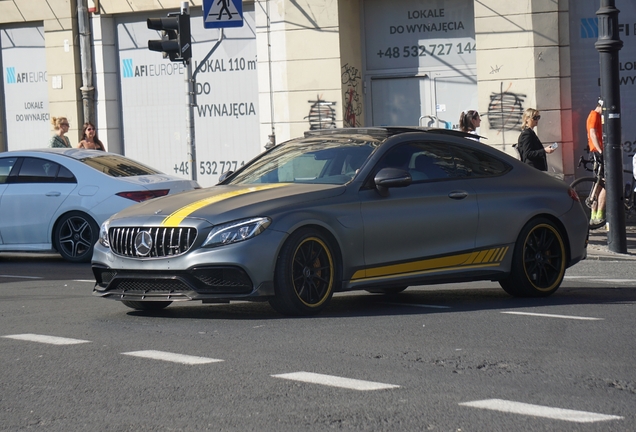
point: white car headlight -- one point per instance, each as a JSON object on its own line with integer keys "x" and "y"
{"x": 103, "y": 234}
{"x": 236, "y": 231}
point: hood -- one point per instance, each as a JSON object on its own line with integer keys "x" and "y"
{"x": 224, "y": 203}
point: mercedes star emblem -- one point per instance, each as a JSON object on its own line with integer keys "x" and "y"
{"x": 143, "y": 243}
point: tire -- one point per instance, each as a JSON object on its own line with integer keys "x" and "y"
{"x": 388, "y": 291}
{"x": 306, "y": 275}
{"x": 583, "y": 188}
{"x": 146, "y": 305}
{"x": 538, "y": 261}
{"x": 74, "y": 236}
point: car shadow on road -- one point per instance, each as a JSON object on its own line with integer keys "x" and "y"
{"x": 413, "y": 301}
{"x": 17, "y": 266}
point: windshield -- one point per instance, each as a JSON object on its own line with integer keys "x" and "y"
{"x": 118, "y": 166}
{"x": 323, "y": 160}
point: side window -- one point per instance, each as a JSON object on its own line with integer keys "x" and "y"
{"x": 432, "y": 162}
{"x": 34, "y": 170}
{"x": 474, "y": 163}
{"x": 398, "y": 157}
{"x": 65, "y": 176}
{"x": 424, "y": 161}
{"x": 6, "y": 164}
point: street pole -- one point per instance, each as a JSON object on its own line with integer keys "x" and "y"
{"x": 189, "y": 88}
{"x": 190, "y": 103}
{"x": 191, "y": 84}
{"x": 608, "y": 45}
{"x": 86, "y": 60}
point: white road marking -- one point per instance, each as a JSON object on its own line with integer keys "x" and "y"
{"x": 334, "y": 381}
{"x": 85, "y": 280}
{"x": 555, "y": 316}
{"x": 540, "y": 411}
{"x": 597, "y": 279}
{"x": 53, "y": 340}
{"x": 620, "y": 281}
{"x": 418, "y": 305}
{"x": 20, "y": 277}
{"x": 171, "y": 357}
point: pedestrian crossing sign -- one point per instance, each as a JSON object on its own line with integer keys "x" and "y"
{"x": 222, "y": 13}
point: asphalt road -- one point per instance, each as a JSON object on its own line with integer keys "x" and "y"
{"x": 462, "y": 357}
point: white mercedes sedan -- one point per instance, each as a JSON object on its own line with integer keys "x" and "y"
{"x": 56, "y": 199}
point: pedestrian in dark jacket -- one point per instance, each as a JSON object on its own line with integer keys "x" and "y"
{"x": 531, "y": 151}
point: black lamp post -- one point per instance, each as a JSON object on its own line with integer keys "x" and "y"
{"x": 608, "y": 45}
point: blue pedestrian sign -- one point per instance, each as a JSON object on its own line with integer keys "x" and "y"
{"x": 222, "y": 13}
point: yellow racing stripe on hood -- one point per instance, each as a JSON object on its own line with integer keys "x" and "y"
{"x": 178, "y": 216}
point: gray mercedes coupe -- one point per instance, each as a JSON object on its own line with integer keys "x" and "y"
{"x": 375, "y": 209}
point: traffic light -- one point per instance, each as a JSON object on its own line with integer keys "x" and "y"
{"x": 184, "y": 37}
{"x": 175, "y": 36}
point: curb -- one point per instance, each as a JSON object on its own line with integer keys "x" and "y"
{"x": 595, "y": 252}
{"x": 597, "y": 248}
{"x": 613, "y": 257}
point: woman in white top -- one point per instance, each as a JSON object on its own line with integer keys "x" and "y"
{"x": 89, "y": 138}
{"x": 469, "y": 121}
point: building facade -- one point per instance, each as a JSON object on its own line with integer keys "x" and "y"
{"x": 296, "y": 65}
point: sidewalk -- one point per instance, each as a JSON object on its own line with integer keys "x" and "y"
{"x": 597, "y": 248}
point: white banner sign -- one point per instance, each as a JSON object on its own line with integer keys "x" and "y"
{"x": 154, "y": 101}
{"x": 414, "y": 33}
{"x": 25, "y": 88}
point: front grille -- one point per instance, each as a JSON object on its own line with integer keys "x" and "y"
{"x": 222, "y": 279}
{"x": 130, "y": 286}
{"x": 208, "y": 280}
{"x": 164, "y": 242}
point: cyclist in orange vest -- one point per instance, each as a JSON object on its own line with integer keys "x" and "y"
{"x": 594, "y": 128}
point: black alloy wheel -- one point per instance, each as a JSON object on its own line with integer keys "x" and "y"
{"x": 539, "y": 261}
{"x": 306, "y": 274}
{"x": 74, "y": 236}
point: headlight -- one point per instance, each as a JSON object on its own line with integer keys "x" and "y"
{"x": 103, "y": 234}
{"x": 236, "y": 231}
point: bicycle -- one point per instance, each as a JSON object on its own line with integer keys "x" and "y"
{"x": 586, "y": 186}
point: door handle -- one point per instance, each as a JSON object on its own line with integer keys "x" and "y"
{"x": 53, "y": 194}
{"x": 457, "y": 195}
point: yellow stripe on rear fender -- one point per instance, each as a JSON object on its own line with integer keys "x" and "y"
{"x": 178, "y": 216}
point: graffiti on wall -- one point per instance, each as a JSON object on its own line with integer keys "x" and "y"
{"x": 505, "y": 109}
{"x": 321, "y": 114}
{"x": 353, "y": 108}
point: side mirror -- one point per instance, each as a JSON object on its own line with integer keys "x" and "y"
{"x": 389, "y": 178}
{"x": 225, "y": 175}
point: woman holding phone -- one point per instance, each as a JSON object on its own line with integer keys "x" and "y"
{"x": 529, "y": 146}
